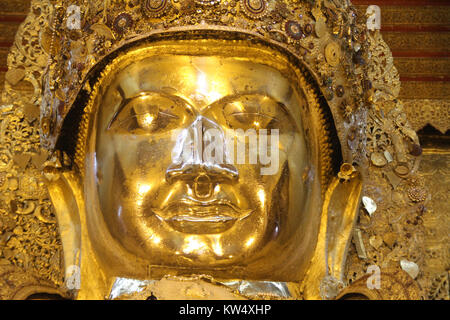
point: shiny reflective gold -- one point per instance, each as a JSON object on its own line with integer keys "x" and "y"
{"x": 134, "y": 129}
{"x": 333, "y": 53}
{"x": 347, "y": 171}
{"x": 225, "y": 220}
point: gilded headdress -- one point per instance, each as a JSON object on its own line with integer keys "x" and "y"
{"x": 327, "y": 39}
{"x": 68, "y": 42}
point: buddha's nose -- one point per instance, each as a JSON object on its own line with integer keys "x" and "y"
{"x": 199, "y": 157}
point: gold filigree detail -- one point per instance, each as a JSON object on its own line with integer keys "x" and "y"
{"x": 421, "y": 112}
{"x": 264, "y": 20}
{"x": 29, "y": 238}
{"x": 26, "y": 214}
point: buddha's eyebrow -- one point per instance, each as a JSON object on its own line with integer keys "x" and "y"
{"x": 234, "y": 97}
{"x": 126, "y": 101}
{"x": 121, "y": 92}
{"x": 122, "y": 105}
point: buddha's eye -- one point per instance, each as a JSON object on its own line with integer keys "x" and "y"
{"x": 255, "y": 112}
{"x": 151, "y": 113}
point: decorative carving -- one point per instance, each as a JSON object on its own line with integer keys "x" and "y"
{"x": 434, "y": 168}
{"x": 30, "y": 248}
{"x": 395, "y": 230}
{"x": 427, "y": 111}
{"x": 360, "y": 89}
{"x": 394, "y": 285}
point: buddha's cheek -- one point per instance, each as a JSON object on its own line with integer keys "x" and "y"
{"x": 151, "y": 156}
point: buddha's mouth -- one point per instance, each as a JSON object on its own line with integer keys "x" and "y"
{"x": 198, "y": 217}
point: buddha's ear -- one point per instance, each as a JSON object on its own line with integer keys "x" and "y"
{"x": 341, "y": 206}
{"x": 339, "y": 214}
{"x": 66, "y": 195}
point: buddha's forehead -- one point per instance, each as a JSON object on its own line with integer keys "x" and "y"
{"x": 202, "y": 80}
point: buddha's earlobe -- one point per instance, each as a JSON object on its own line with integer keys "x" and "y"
{"x": 339, "y": 214}
{"x": 341, "y": 206}
{"x": 66, "y": 194}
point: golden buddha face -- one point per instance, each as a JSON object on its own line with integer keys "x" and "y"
{"x": 169, "y": 202}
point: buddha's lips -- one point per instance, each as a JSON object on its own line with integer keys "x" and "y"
{"x": 198, "y": 211}
{"x": 201, "y": 217}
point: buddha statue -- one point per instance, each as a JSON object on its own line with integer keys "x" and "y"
{"x": 221, "y": 146}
